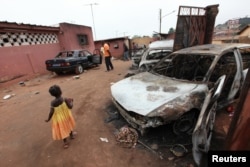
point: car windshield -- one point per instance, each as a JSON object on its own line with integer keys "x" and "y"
{"x": 190, "y": 67}
{"x": 157, "y": 54}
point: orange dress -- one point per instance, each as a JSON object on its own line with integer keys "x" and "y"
{"x": 62, "y": 122}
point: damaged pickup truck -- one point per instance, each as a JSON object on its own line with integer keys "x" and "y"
{"x": 174, "y": 90}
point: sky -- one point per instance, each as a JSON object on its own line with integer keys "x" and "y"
{"x": 114, "y": 18}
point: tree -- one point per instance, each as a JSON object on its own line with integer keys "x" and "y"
{"x": 171, "y": 30}
{"x": 136, "y": 36}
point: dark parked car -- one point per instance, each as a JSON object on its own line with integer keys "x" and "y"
{"x": 73, "y": 61}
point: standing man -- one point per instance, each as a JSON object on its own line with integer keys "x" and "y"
{"x": 125, "y": 54}
{"x": 134, "y": 48}
{"x": 107, "y": 56}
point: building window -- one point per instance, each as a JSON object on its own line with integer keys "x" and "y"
{"x": 116, "y": 45}
{"x": 83, "y": 39}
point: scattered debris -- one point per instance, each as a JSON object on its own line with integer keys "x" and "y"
{"x": 76, "y": 77}
{"x": 22, "y": 83}
{"x": 171, "y": 158}
{"x": 161, "y": 157}
{"x": 154, "y": 146}
{"x": 8, "y": 96}
{"x": 146, "y": 146}
{"x": 36, "y": 92}
{"x": 127, "y": 137}
{"x": 104, "y": 139}
{"x": 179, "y": 150}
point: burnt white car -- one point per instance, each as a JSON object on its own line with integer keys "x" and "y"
{"x": 154, "y": 53}
{"x": 186, "y": 88}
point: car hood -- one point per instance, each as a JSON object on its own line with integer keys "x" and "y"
{"x": 145, "y": 92}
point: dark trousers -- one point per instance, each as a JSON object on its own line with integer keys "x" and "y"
{"x": 108, "y": 63}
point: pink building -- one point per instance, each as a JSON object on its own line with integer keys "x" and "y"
{"x": 116, "y": 45}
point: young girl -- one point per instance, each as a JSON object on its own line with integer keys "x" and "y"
{"x": 63, "y": 122}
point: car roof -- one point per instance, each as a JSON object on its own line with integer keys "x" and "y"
{"x": 211, "y": 48}
{"x": 162, "y": 44}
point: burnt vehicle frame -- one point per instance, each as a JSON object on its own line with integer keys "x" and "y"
{"x": 201, "y": 67}
{"x": 154, "y": 53}
{"x": 136, "y": 57}
{"x": 213, "y": 77}
{"x": 73, "y": 61}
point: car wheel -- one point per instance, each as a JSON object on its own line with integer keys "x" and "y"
{"x": 79, "y": 69}
{"x": 185, "y": 124}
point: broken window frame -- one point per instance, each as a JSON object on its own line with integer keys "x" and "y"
{"x": 169, "y": 60}
{"x": 83, "y": 39}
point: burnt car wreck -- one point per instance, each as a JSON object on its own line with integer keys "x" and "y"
{"x": 175, "y": 89}
{"x": 186, "y": 88}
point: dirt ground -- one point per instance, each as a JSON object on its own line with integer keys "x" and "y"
{"x": 26, "y": 138}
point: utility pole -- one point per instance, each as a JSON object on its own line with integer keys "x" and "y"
{"x": 160, "y": 21}
{"x": 161, "y": 17}
{"x": 91, "y": 5}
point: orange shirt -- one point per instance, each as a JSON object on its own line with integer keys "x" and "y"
{"x": 106, "y": 48}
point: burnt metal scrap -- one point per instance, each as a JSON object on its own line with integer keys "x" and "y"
{"x": 127, "y": 137}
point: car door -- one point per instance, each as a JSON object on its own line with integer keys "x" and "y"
{"x": 97, "y": 58}
{"x": 229, "y": 64}
{"x": 83, "y": 59}
{"x": 202, "y": 133}
{"x": 238, "y": 78}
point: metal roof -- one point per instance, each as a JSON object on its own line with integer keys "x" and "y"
{"x": 8, "y": 26}
{"x": 162, "y": 43}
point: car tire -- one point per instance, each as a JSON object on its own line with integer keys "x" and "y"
{"x": 185, "y": 124}
{"x": 79, "y": 69}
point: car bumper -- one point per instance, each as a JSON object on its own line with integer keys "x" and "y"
{"x": 61, "y": 69}
{"x": 140, "y": 124}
